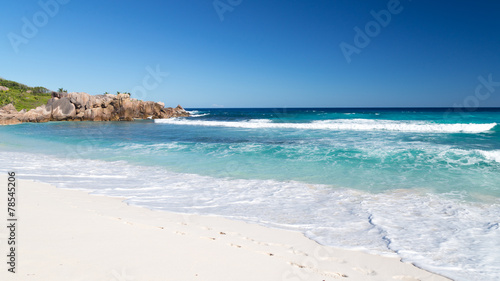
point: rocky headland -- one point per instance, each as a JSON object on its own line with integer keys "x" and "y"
{"x": 85, "y": 107}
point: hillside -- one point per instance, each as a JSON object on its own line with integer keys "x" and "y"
{"x": 22, "y": 96}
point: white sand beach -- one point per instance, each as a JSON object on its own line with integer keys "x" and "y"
{"x": 71, "y": 235}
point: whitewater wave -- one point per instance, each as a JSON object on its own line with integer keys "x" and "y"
{"x": 259, "y": 121}
{"x": 196, "y": 113}
{"x": 493, "y": 155}
{"x": 341, "y": 125}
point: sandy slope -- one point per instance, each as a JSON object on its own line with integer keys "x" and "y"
{"x": 70, "y": 235}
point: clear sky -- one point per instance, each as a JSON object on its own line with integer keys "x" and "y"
{"x": 242, "y": 53}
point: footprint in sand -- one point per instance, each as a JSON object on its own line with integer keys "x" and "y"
{"x": 366, "y": 271}
{"x": 209, "y": 238}
{"x": 297, "y": 252}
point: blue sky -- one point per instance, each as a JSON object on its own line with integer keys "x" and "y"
{"x": 261, "y": 54}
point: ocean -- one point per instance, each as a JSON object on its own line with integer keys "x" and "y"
{"x": 420, "y": 184}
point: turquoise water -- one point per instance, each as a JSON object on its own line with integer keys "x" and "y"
{"x": 422, "y": 184}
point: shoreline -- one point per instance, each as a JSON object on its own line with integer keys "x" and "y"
{"x": 72, "y": 235}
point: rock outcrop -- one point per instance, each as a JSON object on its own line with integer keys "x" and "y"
{"x": 8, "y": 115}
{"x": 84, "y": 107}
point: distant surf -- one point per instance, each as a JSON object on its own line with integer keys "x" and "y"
{"x": 339, "y": 125}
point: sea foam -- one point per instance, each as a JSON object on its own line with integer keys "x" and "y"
{"x": 333, "y": 216}
{"x": 341, "y": 125}
{"x": 491, "y": 155}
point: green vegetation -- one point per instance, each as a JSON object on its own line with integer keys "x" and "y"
{"x": 25, "y": 97}
{"x": 22, "y": 96}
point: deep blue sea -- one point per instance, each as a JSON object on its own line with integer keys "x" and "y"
{"x": 421, "y": 184}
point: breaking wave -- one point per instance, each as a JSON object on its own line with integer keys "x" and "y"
{"x": 341, "y": 125}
